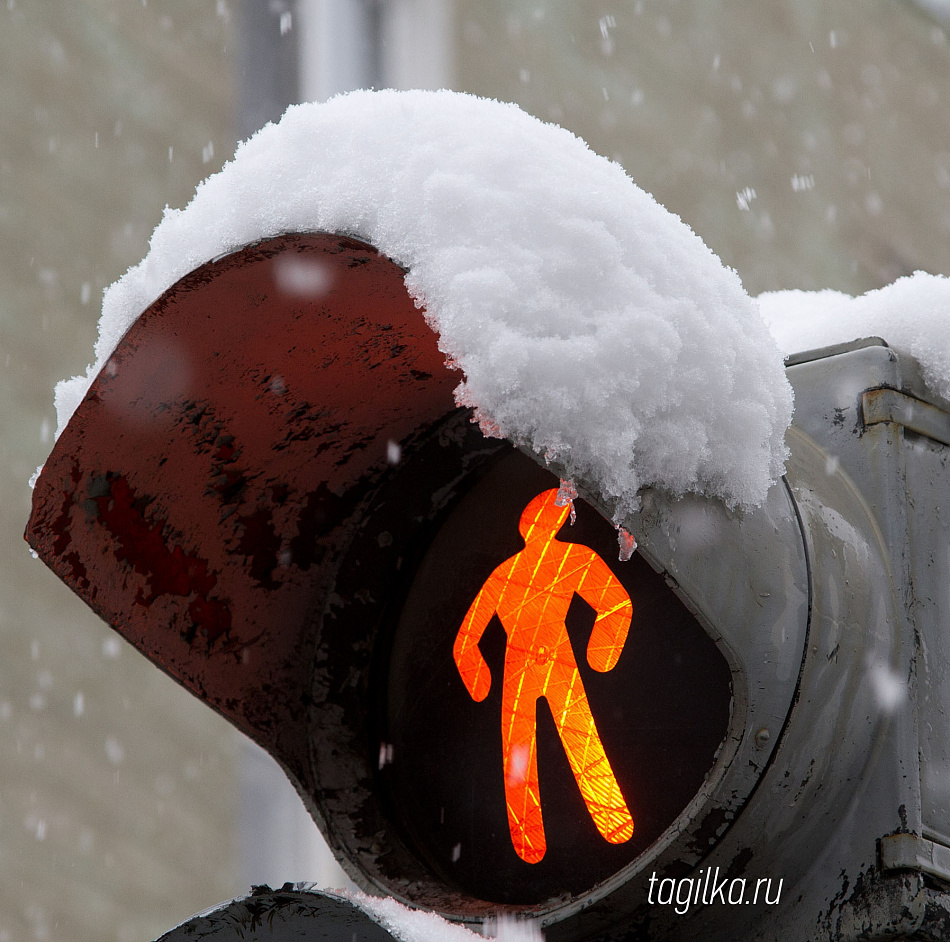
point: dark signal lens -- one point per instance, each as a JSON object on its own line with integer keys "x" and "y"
{"x": 550, "y": 709}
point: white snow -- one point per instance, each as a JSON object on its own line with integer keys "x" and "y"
{"x": 911, "y": 315}
{"x": 591, "y": 325}
{"x": 413, "y": 925}
{"x": 510, "y": 929}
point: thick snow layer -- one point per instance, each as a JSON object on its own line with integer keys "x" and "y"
{"x": 911, "y": 315}
{"x": 591, "y": 325}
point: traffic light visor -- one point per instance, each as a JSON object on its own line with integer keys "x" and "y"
{"x": 219, "y": 460}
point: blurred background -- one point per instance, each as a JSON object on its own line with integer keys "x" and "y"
{"x": 807, "y": 143}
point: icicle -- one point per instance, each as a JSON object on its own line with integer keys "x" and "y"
{"x": 566, "y": 495}
{"x": 627, "y": 543}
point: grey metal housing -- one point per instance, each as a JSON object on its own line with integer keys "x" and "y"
{"x": 830, "y": 603}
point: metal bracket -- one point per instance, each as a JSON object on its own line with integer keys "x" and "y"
{"x": 912, "y": 852}
{"x": 890, "y": 405}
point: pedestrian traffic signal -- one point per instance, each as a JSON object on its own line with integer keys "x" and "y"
{"x": 531, "y": 594}
{"x": 512, "y": 686}
{"x": 271, "y": 493}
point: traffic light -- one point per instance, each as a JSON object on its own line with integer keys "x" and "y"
{"x": 738, "y": 732}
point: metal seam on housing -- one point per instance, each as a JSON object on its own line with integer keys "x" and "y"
{"x": 891, "y": 405}
{"x": 912, "y": 852}
{"x": 832, "y": 350}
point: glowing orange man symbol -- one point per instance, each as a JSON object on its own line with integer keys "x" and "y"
{"x": 531, "y": 593}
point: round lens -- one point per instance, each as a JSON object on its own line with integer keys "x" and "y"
{"x": 550, "y": 709}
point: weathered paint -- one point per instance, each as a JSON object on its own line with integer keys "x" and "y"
{"x": 220, "y": 457}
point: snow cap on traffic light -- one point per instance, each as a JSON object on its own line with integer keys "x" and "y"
{"x": 911, "y": 314}
{"x": 590, "y": 325}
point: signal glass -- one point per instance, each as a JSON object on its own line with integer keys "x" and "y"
{"x": 549, "y": 710}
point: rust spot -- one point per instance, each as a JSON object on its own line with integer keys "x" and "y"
{"x": 739, "y": 863}
{"x": 141, "y": 544}
{"x": 305, "y": 421}
{"x": 75, "y": 573}
{"x": 60, "y": 527}
{"x": 321, "y": 514}
{"x": 260, "y": 543}
{"x": 712, "y": 828}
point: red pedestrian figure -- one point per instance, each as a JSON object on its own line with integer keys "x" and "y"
{"x": 531, "y": 593}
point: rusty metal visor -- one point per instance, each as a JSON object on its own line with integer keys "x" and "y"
{"x": 203, "y": 488}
